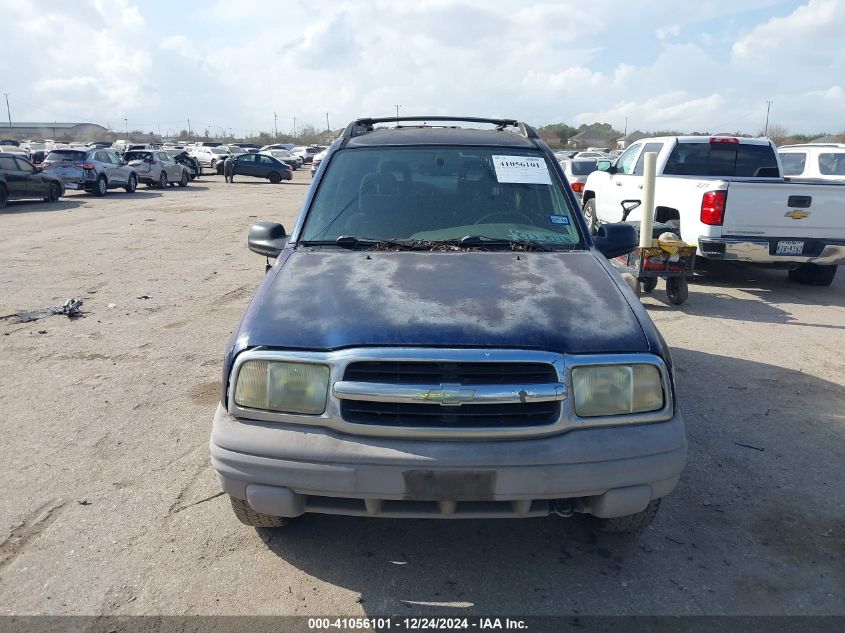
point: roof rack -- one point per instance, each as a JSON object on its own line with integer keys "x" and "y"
{"x": 364, "y": 125}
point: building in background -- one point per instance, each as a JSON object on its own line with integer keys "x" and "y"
{"x": 54, "y": 130}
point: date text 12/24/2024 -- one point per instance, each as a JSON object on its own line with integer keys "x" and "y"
{"x": 417, "y": 624}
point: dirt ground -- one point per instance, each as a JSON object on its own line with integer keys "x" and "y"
{"x": 110, "y": 506}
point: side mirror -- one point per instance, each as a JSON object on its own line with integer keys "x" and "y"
{"x": 604, "y": 165}
{"x": 267, "y": 238}
{"x": 617, "y": 239}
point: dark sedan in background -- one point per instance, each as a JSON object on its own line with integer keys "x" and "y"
{"x": 262, "y": 166}
{"x": 20, "y": 179}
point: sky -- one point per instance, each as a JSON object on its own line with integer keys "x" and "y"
{"x": 708, "y": 65}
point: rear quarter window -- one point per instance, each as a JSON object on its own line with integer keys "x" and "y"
{"x": 832, "y": 164}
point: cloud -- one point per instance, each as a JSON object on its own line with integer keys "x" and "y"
{"x": 232, "y": 65}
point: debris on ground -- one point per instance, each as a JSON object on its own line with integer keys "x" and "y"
{"x": 69, "y": 308}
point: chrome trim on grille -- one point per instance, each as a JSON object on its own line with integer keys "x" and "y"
{"x": 340, "y": 389}
{"x": 449, "y": 395}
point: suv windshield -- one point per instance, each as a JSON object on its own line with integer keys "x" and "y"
{"x": 441, "y": 193}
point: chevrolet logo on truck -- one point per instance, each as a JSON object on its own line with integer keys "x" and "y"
{"x": 796, "y": 214}
{"x": 449, "y": 395}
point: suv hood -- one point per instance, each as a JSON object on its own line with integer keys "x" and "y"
{"x": 560, "y": 302}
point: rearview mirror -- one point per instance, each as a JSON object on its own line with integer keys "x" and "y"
{"x": 267, "y": 238}
{"x": 617, "y": 239}
{"x": 604, "y": 165}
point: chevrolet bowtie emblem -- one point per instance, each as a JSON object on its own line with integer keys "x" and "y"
{"x": 448, "y": 395}
{"x": 795, "y": 214}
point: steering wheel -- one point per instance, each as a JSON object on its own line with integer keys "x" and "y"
{"x": 506, "y": 214}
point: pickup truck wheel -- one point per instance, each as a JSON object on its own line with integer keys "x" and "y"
{"x": 590, "y": 215}
{"x": 101, "y": 187}
{"x": 677, "y": 290}
{"x": 630, "y": 524}
{"x": 813, "y": 275}
{"x": 132, "y": 185}
{"x": 248, "y": 516}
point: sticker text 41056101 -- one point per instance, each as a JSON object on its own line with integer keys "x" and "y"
{"x": 527, "y": 170}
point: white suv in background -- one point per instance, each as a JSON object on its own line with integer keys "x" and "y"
{"x": 822, "y": 161}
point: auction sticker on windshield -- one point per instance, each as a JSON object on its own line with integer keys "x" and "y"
{"x": 521, "y": 169}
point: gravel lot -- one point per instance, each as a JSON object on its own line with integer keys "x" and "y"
{"x": 110, "y": 505}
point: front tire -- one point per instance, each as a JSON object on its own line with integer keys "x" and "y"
{"x": 101, "y": 187}
{"x": 54, "y": 192}
{"x": 184, "y": 181}
{"x": 589, "y": 211}
{"x": 132, "y": 185}
{"x": 162, "y": 180}
{"x": 630, "y": 524}
{"x": 813, "y": 274}
{"x": 248, "y": 516}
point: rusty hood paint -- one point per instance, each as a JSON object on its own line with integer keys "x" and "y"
{"x": 331, "y": 299}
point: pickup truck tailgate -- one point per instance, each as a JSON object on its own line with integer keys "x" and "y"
{"x": 785, "y": 209}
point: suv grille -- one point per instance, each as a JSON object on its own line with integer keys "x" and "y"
{"x": 420, "y": 373}
{"x": 469, "y": 415}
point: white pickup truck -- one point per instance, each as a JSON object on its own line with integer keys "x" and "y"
{"x": 728, "y": 196}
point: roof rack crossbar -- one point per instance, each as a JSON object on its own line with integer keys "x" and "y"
{"x": 363, "y": 125}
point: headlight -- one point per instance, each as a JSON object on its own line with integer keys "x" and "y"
{"x": 616, "y": 389}
{"x": 282, "y": 386}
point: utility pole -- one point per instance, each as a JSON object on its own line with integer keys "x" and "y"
{"x": 328, "y": 127}
{"x": 8, "y": 111}
{"x": 397, "y": 110}
{"x": 126, "y": 126}
{"x": 768, "y": 107}
{"x": 626, "y": 129}
{"x": 275, "y": 127}
{"x": 294, "y": 127}
{"x": 189, "y": 126}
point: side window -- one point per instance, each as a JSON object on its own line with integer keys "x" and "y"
{"x": 649, "y": 147}
{"x": 101, "y": 157}
{"x": 265, "y": 160}
{"x": 247, "y": 159}
{"x": 793, "y": 163}
{"x": 163, "y": 157}
{"x": 625, "y": 164}
{"x": 7, "y": 163}
{"x": 24, "y": 165}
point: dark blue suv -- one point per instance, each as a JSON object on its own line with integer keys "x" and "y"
{"x": 441, "y": 337}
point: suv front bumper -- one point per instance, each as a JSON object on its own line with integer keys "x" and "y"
{"x": 763, "y": 250}
{"x": 287, "y": 470}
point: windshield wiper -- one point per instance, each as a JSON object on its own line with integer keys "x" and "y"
{"x": 480, "y": 241}
{"x": 352, "y": 242}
